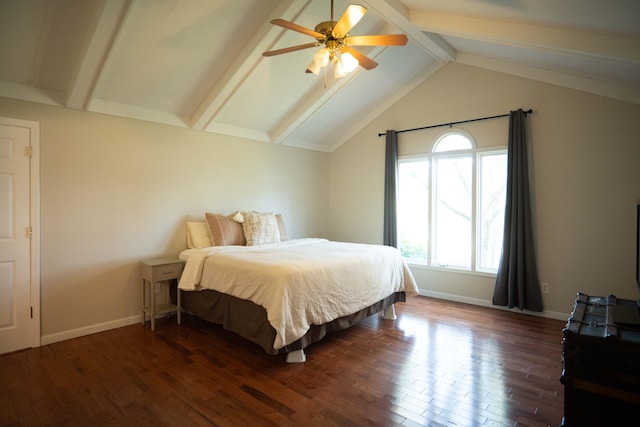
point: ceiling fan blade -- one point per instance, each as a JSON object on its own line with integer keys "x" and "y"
{"x": 295, "y": 27}
{"x": 379, "y": 40}
{"x": 289, "y": 49}
{"x": 364, "y": 61}
{"x": 351, "y": 16}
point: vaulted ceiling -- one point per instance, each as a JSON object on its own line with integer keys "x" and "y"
{"x": 198, "y": 63}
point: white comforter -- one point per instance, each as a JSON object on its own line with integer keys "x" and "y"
{"x": 300, "y": 282}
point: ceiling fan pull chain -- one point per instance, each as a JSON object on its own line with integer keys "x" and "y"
{"x": 325, "y": 76}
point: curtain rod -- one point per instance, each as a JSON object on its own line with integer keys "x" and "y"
{"x": 529, "y": 111}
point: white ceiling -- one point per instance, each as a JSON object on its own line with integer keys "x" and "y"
{"x": 199, "y": 64}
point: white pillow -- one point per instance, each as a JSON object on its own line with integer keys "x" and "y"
{"x": 259, "y": 228}
{"x": 198, "y": 235}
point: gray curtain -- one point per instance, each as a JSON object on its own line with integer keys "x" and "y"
{"x": 517, "y": 283}
{"x": 390, "y": 233}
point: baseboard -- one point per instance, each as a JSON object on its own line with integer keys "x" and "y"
{"x": 88, "y": 330}
{"x": 484, "y": 303}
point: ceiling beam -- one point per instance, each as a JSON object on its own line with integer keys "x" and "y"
{"x": 139, "y": 113}
{"x": 31, "y": 93}
{"x": 245, "y": 63}
{"x": 44, "y": 33}
{"x": 600, "y": 45}
{"x": 397, "y": 15}
{"x": 110, "y": 18}
{"x": 596, "y": 87}
{"x": 594, "y": 46}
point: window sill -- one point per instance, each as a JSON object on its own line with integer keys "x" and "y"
{"x": 413, "y": 264}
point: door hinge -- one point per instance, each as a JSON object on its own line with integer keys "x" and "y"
{"x": 31, "y": 309}
{"x": 29, "y": 232}
{"x": 28, "y": 151}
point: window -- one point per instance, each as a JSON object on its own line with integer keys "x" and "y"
{"x": 451, "y": 205}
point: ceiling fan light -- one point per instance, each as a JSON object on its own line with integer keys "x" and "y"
{"x": 314, "y": 68}
{"x": 321, "y": 57}
{"x": 349, "y": 62}
{"x": 338, "y": 70}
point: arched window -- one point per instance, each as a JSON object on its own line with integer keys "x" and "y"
{"x": 451, "y": 204}
{"x": 452, "y": 141}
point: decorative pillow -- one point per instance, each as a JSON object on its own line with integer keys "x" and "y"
{"x": 224, "y": 230}
{"x": 283, "y": 231}
{"x": 239, "y": 217}
{"x": 259, "y": 228}
{"x": 198, "y": 235}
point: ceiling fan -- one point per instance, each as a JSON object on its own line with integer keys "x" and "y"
{"x": 338, "y": 44}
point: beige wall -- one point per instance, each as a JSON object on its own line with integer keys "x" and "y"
{"x": 115, "y": 191}
{"x": 585, "y": 159}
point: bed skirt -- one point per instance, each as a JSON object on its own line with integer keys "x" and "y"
{"x": 249, "y": 320}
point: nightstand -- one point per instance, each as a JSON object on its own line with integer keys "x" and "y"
{"x": 155, "y": 271}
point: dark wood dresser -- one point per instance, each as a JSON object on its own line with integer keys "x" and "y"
{"x": 601, "y": 363}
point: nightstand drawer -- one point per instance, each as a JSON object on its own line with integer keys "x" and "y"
{"x": 161, "y": 269}
{"x": 166, "y": 272}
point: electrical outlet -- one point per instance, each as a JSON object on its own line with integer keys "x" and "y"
{"x": 544, "y": 287}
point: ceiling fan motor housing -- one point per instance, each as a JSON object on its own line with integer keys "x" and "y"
{"x": 326, "y": 28}
{"x": 330, "y": 41}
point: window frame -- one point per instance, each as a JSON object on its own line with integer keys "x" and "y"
{"x": 475, "y": 153}
{"x": 453, "y": 154}
{"x": 484, "y": 153}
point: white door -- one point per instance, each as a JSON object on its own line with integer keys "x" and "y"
{"x": 19, "y": 288}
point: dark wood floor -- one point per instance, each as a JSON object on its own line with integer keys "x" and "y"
{"x": 439, "y": 364}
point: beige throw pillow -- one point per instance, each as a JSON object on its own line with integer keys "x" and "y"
{"x": 224, "y": 230}
{"x": 239, "y": 217}
{"x": 260, "y": 228}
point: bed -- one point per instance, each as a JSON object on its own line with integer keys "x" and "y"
{"x": 242, "y": 271}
